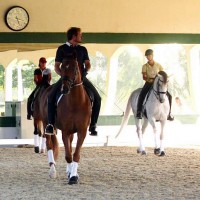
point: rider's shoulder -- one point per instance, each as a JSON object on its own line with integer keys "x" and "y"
{"x": 46, "y": 71}
{"x": 157, "y": 64}
{"x": 37, "y": 71}
{"x": 81, "y": 47}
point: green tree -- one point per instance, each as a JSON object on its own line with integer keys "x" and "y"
{"x": 27, "y": 75}
{"x": 128, "y": 77}
{"x": 2, "y": 76}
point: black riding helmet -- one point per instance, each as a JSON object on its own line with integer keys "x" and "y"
{"x": 148, "y": 52}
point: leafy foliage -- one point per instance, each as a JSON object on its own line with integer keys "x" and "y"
{"x": 129, "y": 77}
{"x": 2, "y": 76}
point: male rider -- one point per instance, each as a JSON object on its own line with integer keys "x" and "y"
{"x": 74, "y": 37}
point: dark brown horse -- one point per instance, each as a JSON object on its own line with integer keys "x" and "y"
{"x": 39, "y": 136}
{"x": 72, "y": 116}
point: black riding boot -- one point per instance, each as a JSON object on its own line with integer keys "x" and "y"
{"x": 96, "y": 107}
{"x": 29, "y": 104}
{"x": 51, "y": 108}
{"x": 94, "y": 117}
{"x": 139, "y": 108}
{"x": 29, "y": 111}
{"x": 147, "y": 86}
{"x": 51, "y": 118}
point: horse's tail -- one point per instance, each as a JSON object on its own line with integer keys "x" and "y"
{"x": 126, "y": 116}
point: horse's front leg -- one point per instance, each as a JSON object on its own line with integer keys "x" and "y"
{"x": 43, "y": 144}
{"x": 140, "y": 132}
{"x": 162, "y": 151}
{"x": 156, "y": 136}
{"x": 36, "y": 136}
{"x": 76, "y": 157}
{"x": 50, "y": 153}
{"x": 67, "y": 140}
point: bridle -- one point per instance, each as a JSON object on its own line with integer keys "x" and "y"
{"x": 70, "y": 82}
{"x": 157, "y": 91}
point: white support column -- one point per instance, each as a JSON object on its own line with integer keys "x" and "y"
{"x": 8, "y": 81}
{"x": 20, "y": 83}
{"x": 8, "y": 84}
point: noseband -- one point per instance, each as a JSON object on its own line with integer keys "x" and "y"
{"x": 69, "y": 82}
{"x": 157, "y": 92}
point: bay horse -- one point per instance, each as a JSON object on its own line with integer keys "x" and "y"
{"x": 39, "y": 136}
{"x": 72, "y": 116}
{"x": 156, "y": 108}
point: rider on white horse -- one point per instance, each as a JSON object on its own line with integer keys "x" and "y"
{"x": 149, "y": 72}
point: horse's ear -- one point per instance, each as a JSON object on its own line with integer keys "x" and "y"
{"x": 159, "y": 75}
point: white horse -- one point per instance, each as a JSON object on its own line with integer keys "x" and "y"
{"x": 156, "y": 108}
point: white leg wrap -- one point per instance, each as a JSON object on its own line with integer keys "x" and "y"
{"x": 69, "y": 168}
{"x": 43, "y": 145}
{"x": 51, "y": 157}
{"x": 74, "y": 168}
{"x": 36, "y": 140}
{"x": 161, "y": 145}
{"x": 156, "y": 138}
{"x": 141, "y": 143}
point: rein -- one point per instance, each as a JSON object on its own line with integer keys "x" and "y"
{"x": 77, "y": 84}
{"x": 157, "y": 92}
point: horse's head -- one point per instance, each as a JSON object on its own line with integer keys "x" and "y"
{"x": 160, "y": 86}
{"x": 70, "y": 74}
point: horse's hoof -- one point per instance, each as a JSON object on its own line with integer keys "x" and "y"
{"x": 52, "y": 172}
{"x": 157, "y": 151}
{"x": 37, "y": 150}
{"x": 42, "y": 151}
{"x": 144, "y": 153}
{"x": 138, "y": 151}
{"x": 73, "y": 180}
{"x": 162, "y": 153}
{"x": 141, "y": 152}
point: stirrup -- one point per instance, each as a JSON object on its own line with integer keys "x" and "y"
{"x": 49, "y": 130}
{"x": 92, "y": 130}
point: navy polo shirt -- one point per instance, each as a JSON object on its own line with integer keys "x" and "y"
{"x": 65, "y": 49}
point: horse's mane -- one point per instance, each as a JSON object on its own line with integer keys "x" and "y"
{"x": 164, "y": 75}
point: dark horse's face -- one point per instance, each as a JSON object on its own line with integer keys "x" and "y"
{"x": 69, "y": 73}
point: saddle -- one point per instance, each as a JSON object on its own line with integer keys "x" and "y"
{"x": 144, "y": 111}
{"x": 88, "y": 91}
{"x": 144, "y": 103}
{"x": 90, "y": 94}
{"x": 37, "y": 91}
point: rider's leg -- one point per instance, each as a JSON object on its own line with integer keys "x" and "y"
{"x": 29, "y": 102}
{"x": 96, "y": 106}
{"x": 170, "y": 117}
{"x": 51, "y": 107}
{"x": 147, "y": 86}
